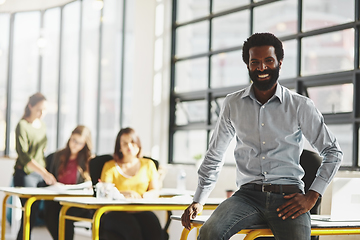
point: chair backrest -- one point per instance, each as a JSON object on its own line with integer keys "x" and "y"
{"x": 96, "y": 165}
{"x": 155, "y": 161}
{"x": 49, "y": 160}
{"x": 310, "y": 162}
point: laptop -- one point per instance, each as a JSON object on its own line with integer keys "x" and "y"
{"x": 345, "y": 203}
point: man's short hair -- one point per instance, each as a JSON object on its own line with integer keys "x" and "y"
{"x": 262, "y": 39}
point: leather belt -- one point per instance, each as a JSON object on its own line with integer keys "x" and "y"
{"x": 272, "y": 188}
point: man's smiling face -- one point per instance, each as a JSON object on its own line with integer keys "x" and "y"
{"x": 263, "y": 67}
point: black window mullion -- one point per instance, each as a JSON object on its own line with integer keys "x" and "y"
{"x": 356, "y": 114}
{"x": 299, "y": 86}
{"x": 172, "y": 104}
{"x": 251, "y": 18}
{"x": 356, "y": 102}
{"x": 208, "y": 94}
{"x": 122, "y": 64}
{"x": 59, "y": 77}
{"x": 9, "y": 85}
{"x": 355, "y": 159}
{"x": 98, "y": 102}
{"x": 79, "y": 100}
{"x": 40, "y": 52}
{"x": 357, "y": 37}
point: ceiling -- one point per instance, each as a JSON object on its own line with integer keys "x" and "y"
{"x": 30, "y": 5}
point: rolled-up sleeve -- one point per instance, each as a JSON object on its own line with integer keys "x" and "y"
{"x": 325, "y": 142}
{"x": 22, "y": 145}
{"x": 213, "y": 160}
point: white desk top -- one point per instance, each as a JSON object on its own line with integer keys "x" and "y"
{"x": 46, "y": 191}
{"x": 178, "y": 200}
{"x": 75, "y": 190}
{"x": 175, "y": 192}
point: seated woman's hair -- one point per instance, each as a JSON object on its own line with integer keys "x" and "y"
{"x": 84, "y": 154}
{"x": 135, "y": 138}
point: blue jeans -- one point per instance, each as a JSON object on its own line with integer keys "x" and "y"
{"x": 248, "y": 207}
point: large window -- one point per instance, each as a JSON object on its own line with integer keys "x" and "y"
{"x": 69, "y": 73}
{"x": 4, "y": 51}
{"x": 25, "y": 64}
{"x": 50, "y": 35}
{"x": 321, "y": 42}
{"x": 74, "y": 55}
{"x": 110, "y": 109}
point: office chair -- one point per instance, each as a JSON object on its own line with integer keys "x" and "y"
{"x": 310, "y": 162}
{"x": 49, "y": 159}
{"x": 156, "y": 162}
{"x": 95, "y": 167}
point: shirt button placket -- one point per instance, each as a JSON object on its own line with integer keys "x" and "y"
{"x": 262, "y": 141}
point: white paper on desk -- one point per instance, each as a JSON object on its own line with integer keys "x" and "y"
{"x": 59, "y": 187}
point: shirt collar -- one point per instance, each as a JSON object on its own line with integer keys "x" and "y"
{"x": 278, "y": 93}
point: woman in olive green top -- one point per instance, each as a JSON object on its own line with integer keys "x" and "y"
{"x": 30, "y": 166}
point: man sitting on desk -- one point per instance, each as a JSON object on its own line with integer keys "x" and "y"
{"x": 268, "y": 121}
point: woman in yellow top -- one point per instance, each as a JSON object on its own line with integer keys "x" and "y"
{"x": 134, "y": 177}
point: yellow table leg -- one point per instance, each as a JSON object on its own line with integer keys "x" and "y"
{"x": 26, "y": 220}
{"x": 96, "y": 222}
{"x": 62, "y": 219}
{"x": 185, "y": 233}
{"x": 3, "y": 222}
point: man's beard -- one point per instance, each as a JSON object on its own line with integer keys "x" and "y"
{"x": 264, "y": 85}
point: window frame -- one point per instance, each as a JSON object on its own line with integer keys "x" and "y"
{"x": 299, "y": 83}
{"x": 79, "y": 105}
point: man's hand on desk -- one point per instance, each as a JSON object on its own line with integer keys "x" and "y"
{"x": 191, "y": 212}
{"x": 298, "y": 204}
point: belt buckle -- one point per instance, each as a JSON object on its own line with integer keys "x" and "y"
{"x": 263, "y": 187}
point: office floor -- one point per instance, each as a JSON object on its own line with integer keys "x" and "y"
{"x": 41, "y": 233}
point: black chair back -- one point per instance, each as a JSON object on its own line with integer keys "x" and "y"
{"x": 49, "y": 160}
{"x": 155, "y": 161}
{"x": 96, "y": 165}
{"x": 310, "y": 162}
